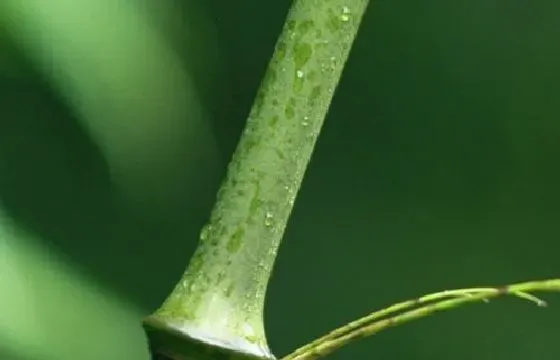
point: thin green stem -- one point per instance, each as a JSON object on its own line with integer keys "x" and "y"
{"x": 415, "y": 309}
{"x": 220, "y": 298}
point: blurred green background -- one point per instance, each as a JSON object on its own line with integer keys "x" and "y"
{"x": 436, "y": 169}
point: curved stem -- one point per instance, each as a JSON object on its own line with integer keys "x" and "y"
{"x": 415, "y": 309}
{"x": 220, "y": 298}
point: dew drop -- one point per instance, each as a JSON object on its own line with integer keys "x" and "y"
{"x": 268, "y": 218}
{"x": 205, "y": 232}
{"x": 248, "y": 330}
{"x": 299, "y": 74}
{"x": 345, "y": 14}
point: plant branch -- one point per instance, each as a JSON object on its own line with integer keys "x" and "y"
{"x": 415, "y": 309}
{"x": 220, "y": 297}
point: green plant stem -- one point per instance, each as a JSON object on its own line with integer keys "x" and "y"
{"x": 220, "y": 297}
{"x": 415, "y": 309}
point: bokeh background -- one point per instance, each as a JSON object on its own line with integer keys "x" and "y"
{"x": 437, "y": 168}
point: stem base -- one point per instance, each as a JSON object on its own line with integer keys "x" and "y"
{"x": 169, "y": 343}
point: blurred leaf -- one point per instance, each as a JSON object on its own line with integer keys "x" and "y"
{"x": 120, "y": 73}
{"x": 48, "y": 311}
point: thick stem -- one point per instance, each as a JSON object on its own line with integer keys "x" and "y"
{"x": 220, "y": 298}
